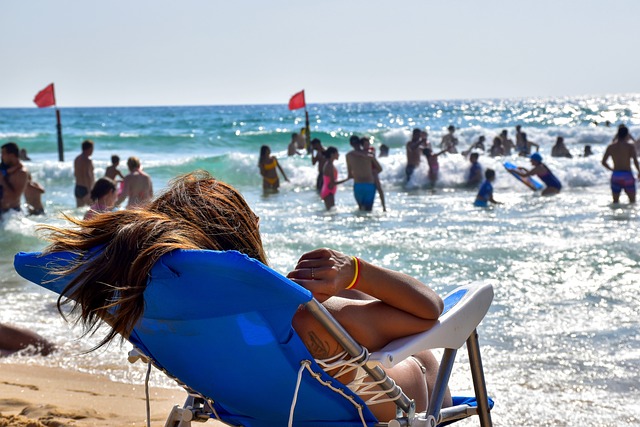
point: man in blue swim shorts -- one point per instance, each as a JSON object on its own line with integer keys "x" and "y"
{"x": 622, "y": 152}
{"x": 364, "y": 193}
{"x": 623, "y": 180}
{"x": 362, "y": 167}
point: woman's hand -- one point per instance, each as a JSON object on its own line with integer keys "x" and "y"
{"x": 324, "y": 272}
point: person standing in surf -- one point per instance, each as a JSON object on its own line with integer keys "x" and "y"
{"x": 329, "y": 177}
{"x": 450, "y": 141}
{"x": 523, "y": 145}
{"x": 474, "y": 174}
{"x": 560, "y": 149}
{"x": 622, "y": 152}
{"x": 268, "y": 165}
{"x": 485, "y": 194}
{"x": 112, "y": 171}
{"x": 33, "y": 196}
{"x": 434, "y": 166}
{"x": 13, "y": 179}
{"x": 318, "y": 156}
{"x": 413, "y": 148}
{"x": 137, "y": 187}
{"x": 83, "y": 172}
{"x": 506, "y": 143}
{"x": 363, "y": 169}
{"x": 367, "y": 148}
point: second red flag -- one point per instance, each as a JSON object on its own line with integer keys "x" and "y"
{"x": 297, "y": 101}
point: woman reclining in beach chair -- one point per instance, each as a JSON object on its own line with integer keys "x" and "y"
{"x": 117, "y": 251}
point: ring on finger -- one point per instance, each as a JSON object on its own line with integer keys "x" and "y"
{"x": 312, "y": 275}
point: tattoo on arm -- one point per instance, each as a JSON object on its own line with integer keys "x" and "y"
{"x": 318, "y": 348}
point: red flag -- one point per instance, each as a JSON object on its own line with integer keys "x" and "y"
{"x": 46, "y": 97}
{"x": 297, "y": 101}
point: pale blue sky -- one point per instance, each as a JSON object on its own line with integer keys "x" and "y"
{"x": 208, "y": 52}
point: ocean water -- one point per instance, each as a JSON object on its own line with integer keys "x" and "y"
{"x": 561, "y": 343}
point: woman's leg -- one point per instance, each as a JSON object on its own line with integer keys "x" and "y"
{"x": 415, "y": 375}
{"x": 431, "y": 365}
{"x": 329, "y": 201}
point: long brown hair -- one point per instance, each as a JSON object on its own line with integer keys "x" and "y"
{"x": 195, "y": 212}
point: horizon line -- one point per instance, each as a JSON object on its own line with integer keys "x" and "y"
{"x": 328, "y": 103}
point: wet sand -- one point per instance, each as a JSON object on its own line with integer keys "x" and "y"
{"x": 37, "y": 396}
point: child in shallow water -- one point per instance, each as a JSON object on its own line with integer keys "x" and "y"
{"x": 434, "y": 166}
{"x": 485, "y": 194}
{"x": 103, "y": 195}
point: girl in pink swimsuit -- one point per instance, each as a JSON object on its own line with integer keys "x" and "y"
{"x": 329, "y": 177}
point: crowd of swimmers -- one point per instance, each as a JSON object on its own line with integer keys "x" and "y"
{"x": 364, "y": 168}
{"x": 101, "y": 195}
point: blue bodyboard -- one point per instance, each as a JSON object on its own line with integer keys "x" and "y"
{"x": 530, "y": 182}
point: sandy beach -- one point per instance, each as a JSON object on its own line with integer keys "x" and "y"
{"x": 37, "y": 396}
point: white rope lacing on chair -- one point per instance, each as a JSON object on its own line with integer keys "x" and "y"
{"x": 292, "y": 409}
{"x": 306, "y": 365}
{"x": 146, "y": 393}
{"x": 364, "y": 389}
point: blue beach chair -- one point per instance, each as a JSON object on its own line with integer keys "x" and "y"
{"x": 219, "y": 323}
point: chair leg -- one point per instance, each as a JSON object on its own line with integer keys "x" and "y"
{"x": 479, "y": 384}
{"x": 175, "y": 418}
{"x": 442, "y": 381}
{"x": 194, "y": 409}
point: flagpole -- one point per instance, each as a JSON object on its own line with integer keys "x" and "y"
{"x": 60, "y": 143}
{"x": 46, "y": 98}
{"x": 307, "y": 134}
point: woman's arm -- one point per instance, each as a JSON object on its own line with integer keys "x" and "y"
{"x": 397, "y": 304}
{"x": 520, "y": 171}
{"x": 523, "y": 172}
{"x": 376, "y": 166}
{"x": 281, "y": 170}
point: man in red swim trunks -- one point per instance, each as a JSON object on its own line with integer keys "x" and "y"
{"x": 622, "y": 151}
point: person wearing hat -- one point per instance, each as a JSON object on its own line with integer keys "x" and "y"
{"x": 544, "y": 173}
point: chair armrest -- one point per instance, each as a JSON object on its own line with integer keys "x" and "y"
{"x": 464, "y": 308}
